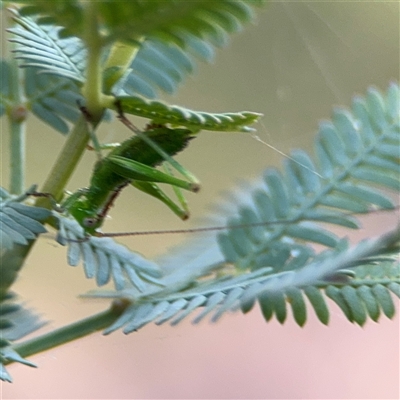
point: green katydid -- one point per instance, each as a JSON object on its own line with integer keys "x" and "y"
{"x": 134, "y": 160}
{"x": 131, "y": 162}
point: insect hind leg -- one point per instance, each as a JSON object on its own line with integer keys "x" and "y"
{"x": 170, "y": 160}
{"x": 55, "y": 206}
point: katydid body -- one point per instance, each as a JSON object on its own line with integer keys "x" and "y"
{"x": 124, "y": 165}
{"x": 134, "y": 161}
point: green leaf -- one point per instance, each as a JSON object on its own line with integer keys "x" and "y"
{"x": 370, "y": 303}
{"x": 17, "y": 322}
{"x": 393, "y": 101}
{"x": 333, "y": 146}
{"x": 347, "y": 130}
{"x": 104, "y": 259}
{"x": 40, "y": 46}
{"x": 335, "y": 294}
{"x": 318, "y": 303}
{"x": 158, "y": 18}
{"x": 384, "y": 299}
{"x": 352, "y": 299}
{"x": 296, "y": 301}
{"x": 280, "y": 200}
{"x": 312, "y": 234}
{"x": 170, "y": 35}
{"x": 20, "y": 223}
{"x": 213, "y": 301}
{"x": 266, "y": 306}
{"x": 301, "y": 171}
{"x": 377, "y": 177}
{"x": 161, "y": 113}
{"x": 284, "y": 203}
{"x": 272, "y": 290}
{"x": 332, "y": 217}
{"x": 365, "y": 194}
{"x": 52, "y": 99}
{"x": 395, "y": 288}
{"x": 274, "y": 262}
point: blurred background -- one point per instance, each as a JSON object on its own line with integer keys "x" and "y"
{"x": 294, "y": 65}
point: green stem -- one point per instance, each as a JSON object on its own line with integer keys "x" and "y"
{"x": 17, "y": 156}
{"x": 79, "y": 137}
{"x": 66, "y": 162}
{"x": 70, "y": 332}
{"x": 95, "y": 100}
{"x": 16, "y": 117}
{"x": 92, "y": 89}
{"x": 119, "y": 60}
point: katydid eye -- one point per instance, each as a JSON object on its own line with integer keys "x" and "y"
{"x": 90, "y": 222}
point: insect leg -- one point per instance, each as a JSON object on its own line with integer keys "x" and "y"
{"x": 105, "y": 146}
{"x": 187, "y": 174}
{"x": 134, "y": 170}
{"x": 72, "y": 198}
{"x": 110, "y": 201}
{"x": 154, "y": 190}
{"x": 48, "y": 196}
{"x": 178, "y": 193}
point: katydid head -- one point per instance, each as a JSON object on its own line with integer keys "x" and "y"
{"x": 87, "y": 218}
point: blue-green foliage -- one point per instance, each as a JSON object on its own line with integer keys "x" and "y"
{"x": 274, "y": 261}
{"x": 356, "y": 160}
{"x": 19, "y": 223}
{"x": 171, "y": 20}
{"x": 104, "y": 259}
{"x": 15, "y": 323}
{"x": 157, "y": 66}
{"x": 173, "y": 42}
{"x": 52, "y": 99}
{"x": 164, "y": 60}
{"x": 360, "y": 292}
{"x": 40, "y": 46}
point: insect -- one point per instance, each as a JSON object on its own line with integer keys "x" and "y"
{"x": 132, "y": 162}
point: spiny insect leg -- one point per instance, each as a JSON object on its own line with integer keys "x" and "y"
{"x": 102, "y": 214}
{"x": 48, "y": 196}
{"x": 187, "y": 174}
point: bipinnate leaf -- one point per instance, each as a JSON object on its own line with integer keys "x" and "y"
{"x": 274, "y": 261}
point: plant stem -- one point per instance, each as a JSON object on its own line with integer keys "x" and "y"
{"x": 92, "y": 89}
{"x": 79, "y": 137}
{"x": 119, "y": 60}
{"x": 17, "y": 156}
{"x": 16, "y": 117}
{"x": 66, "y": 162}
{"x": 70, "y": 332}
